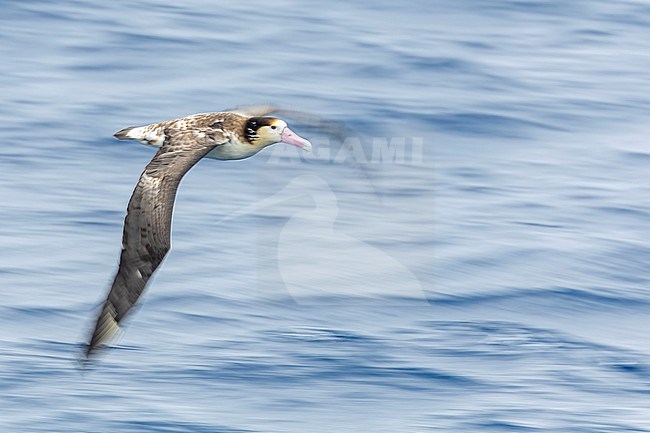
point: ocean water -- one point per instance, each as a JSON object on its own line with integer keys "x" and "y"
{"x": 471, "y": 254}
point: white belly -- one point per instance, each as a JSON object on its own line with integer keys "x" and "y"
{"x": 233, "y": 151}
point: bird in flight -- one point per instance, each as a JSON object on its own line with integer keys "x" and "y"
{"x": 182, "y": 143}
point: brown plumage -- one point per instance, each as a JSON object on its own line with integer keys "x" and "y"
{"x": 147, "y": 227}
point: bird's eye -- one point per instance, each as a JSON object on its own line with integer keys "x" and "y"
{"x": 274, "y": 127}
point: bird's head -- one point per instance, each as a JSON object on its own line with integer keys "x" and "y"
{"x": 264, "y": 131}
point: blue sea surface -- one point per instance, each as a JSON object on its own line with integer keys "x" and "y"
{"x": 469, "y": 253}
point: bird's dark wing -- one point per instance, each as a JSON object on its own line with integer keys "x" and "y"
{"x": 147, "y": 226}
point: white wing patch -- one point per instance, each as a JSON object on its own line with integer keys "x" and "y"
{"x": 150, "y": 183}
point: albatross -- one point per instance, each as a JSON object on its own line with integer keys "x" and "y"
{"x": 183, "y": 142}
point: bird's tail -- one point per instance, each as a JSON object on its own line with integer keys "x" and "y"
{"x": 151, "y": 135}
{"x": 129, "y": 133}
